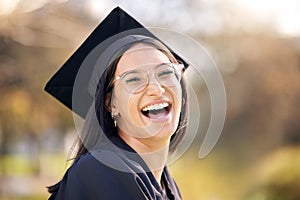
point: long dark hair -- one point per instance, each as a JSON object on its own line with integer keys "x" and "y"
{"x": 98, "y": 114}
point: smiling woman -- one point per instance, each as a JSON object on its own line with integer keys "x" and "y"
{"x": 148, "y": 93}
{"x": 137, "y": 117}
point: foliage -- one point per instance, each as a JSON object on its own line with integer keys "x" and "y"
{"x": 251, "y": 160}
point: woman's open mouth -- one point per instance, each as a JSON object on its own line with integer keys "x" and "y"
{"x": 157, "y": 111}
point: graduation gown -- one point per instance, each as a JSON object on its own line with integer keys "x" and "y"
{"x": 92, "y": 177}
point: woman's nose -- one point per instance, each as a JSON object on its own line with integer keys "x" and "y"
{"x": 154, "y": 87}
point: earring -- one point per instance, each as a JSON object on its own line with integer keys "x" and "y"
{"x": 114, "y": 119}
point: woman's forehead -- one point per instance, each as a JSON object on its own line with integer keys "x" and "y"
{"x": 139, "y": 55}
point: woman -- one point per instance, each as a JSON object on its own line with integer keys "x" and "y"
{"x": 140, "y": 105}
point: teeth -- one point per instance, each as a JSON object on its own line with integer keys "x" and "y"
{"x": 156, "y": 106}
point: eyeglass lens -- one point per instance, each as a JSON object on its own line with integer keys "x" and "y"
{"x": 136, "y": 80}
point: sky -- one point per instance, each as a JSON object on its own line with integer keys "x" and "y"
{"x": 208, "y": 16}
{"x": 283, "y": 14}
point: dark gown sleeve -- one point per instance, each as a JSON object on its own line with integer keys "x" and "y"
{"x": 89, "y": 179}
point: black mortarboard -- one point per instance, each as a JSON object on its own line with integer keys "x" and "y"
{"x": 61, "y": 85}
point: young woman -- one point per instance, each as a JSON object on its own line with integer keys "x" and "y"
{"x": 138, "y": 117}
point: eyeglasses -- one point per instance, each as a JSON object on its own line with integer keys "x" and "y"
{"x": 135, "y": 81}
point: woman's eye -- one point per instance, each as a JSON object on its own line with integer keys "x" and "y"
{"x": 133, "y": 80}
{"x": 165, "y": 73}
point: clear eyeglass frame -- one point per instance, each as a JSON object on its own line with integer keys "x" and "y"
{"x": 136, "y": 80}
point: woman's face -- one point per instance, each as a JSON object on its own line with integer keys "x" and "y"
{"x": 152, "y": 112}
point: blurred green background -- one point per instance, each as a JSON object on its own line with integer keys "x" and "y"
{"x": 255, "y": 44}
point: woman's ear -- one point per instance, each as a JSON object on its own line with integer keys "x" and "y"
{"x": 108, "y": 102}
{"x": 110, "y": 106}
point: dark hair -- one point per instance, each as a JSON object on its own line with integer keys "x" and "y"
{"x": 99, "y": 114}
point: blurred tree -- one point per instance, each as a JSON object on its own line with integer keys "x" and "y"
{"x": 261, "y": 75}
{"x": 33, "y": 45}
{"x": 260, "y": 70}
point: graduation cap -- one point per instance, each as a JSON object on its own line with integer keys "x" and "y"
{"x": 71, "y": 83}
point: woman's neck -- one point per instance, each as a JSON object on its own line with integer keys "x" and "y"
{"x": 156, "y": 161}
{"x": 154, "y": 153}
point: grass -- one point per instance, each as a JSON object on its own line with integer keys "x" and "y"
{"x": 220, "y": 176}
{"x": 23, "y": 178}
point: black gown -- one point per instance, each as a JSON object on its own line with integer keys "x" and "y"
{"x": 91, "y": 177}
